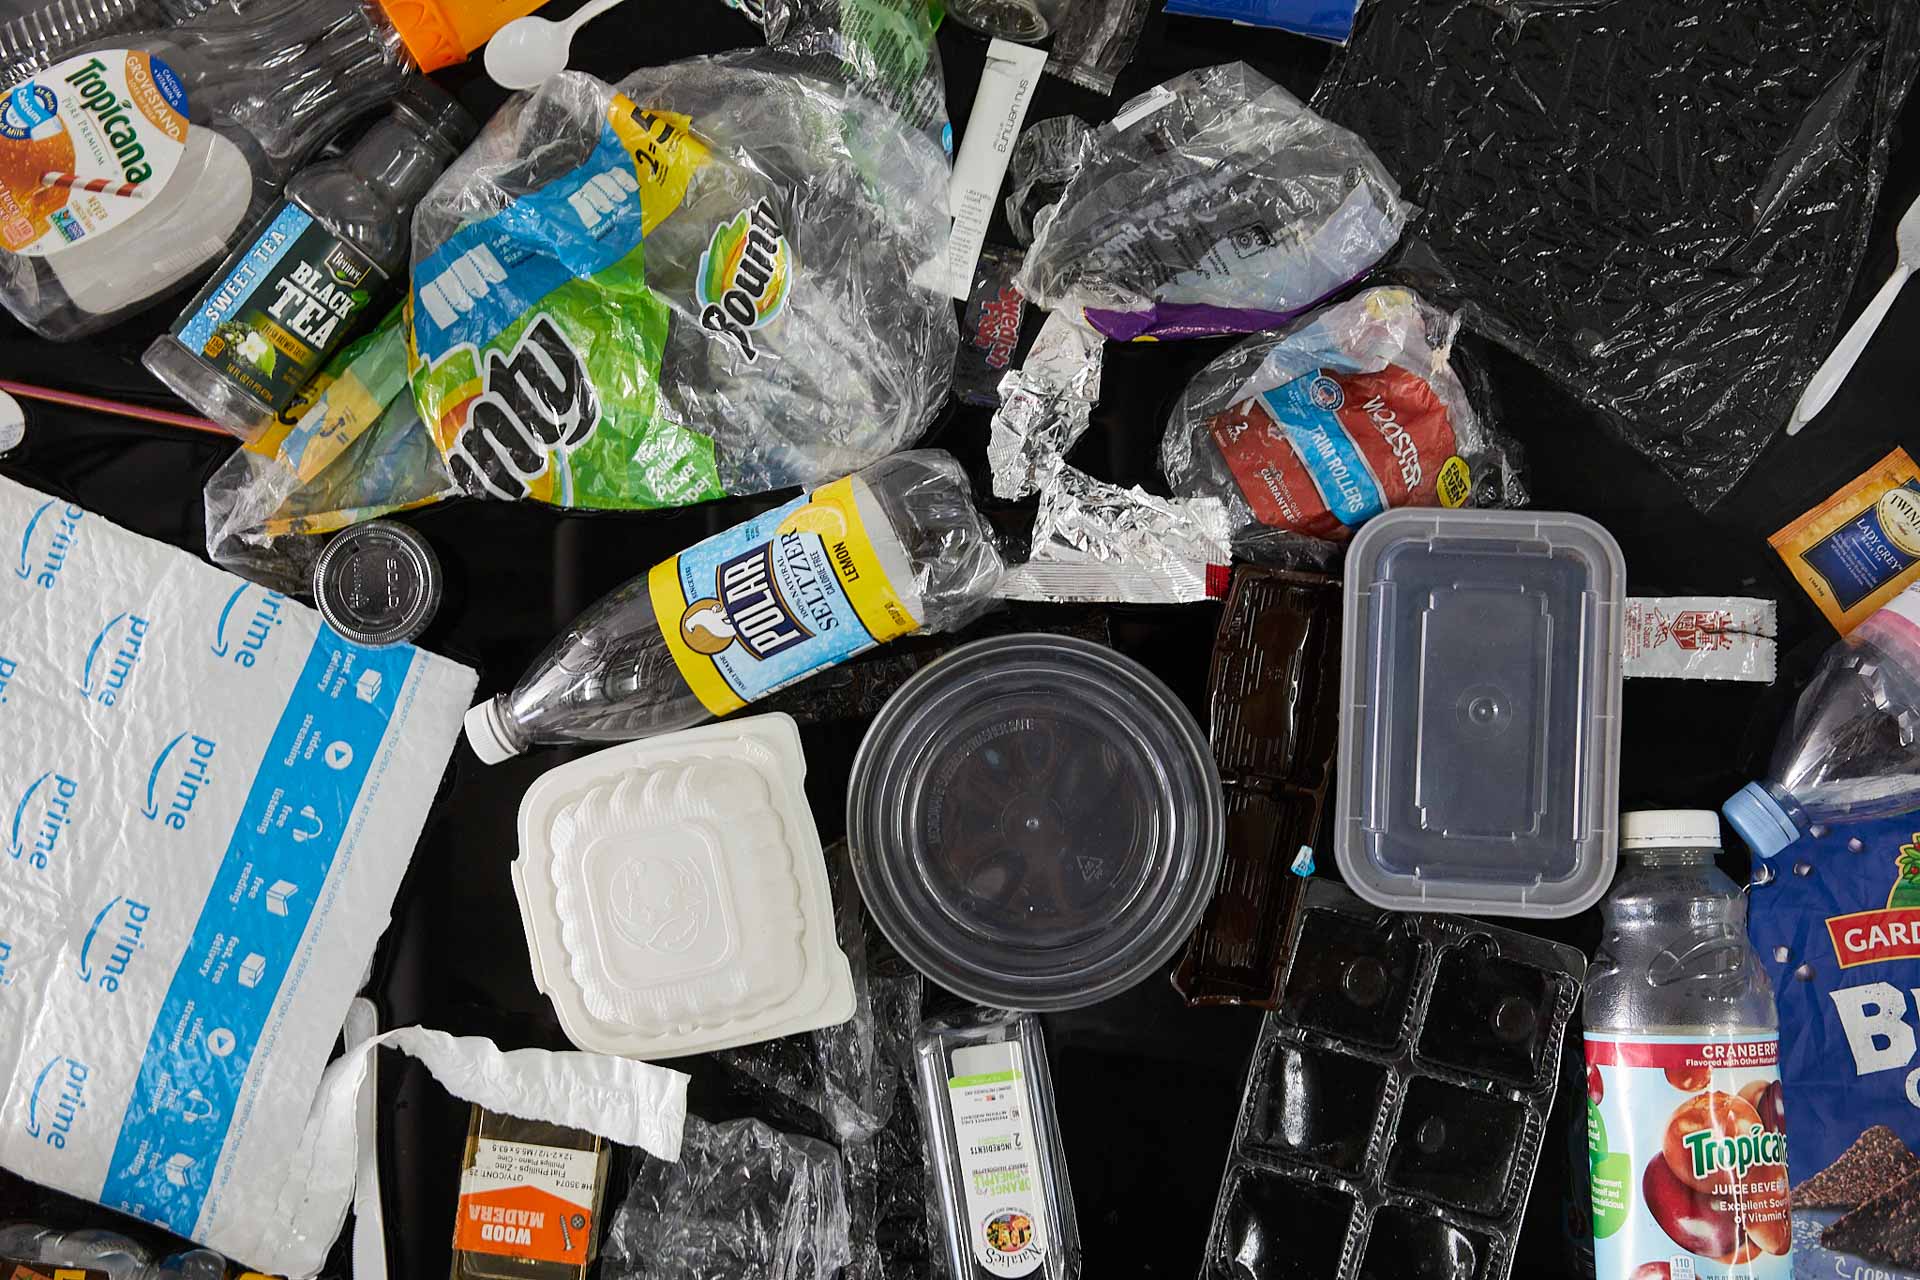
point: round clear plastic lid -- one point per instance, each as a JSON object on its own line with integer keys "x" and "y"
{"x": 1480, "y": 712}
{"x": 1036, "y": 822}
{"x": 378, "y": 583}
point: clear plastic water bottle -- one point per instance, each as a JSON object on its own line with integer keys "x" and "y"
{"x": 1686, "y": 1132}
{"x": 895, "y": 548}
{"x": 1851, "y": 749}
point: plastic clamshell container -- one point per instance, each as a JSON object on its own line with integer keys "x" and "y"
{"x": 1479, "y": 761}
{"x": 675, "y": 897}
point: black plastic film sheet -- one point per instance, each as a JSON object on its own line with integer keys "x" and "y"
{"x": 1661, "y": 203}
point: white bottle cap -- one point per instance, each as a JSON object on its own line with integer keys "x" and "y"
{"x": 1670, "y": 829}
{"x": 486, "y": 735}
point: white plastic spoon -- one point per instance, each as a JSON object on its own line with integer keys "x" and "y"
{"x": 525, "y": 52}
{"x": 1834, "y": 372}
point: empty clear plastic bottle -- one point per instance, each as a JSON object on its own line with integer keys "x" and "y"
{"x": 42, "y": 36}
{"x": 330, "y": 252}
{"x": 895, "y": 548}
{"x": 1851, "y": 749}
{"x": 1686, "y": 1129}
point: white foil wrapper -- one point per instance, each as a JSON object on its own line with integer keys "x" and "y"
{"x": 1700, "y": 638}
{"x": 1045, "y": 406}
{"x": 1094, "y": 541}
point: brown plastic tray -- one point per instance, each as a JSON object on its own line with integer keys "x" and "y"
{"x": 1274, "y": 698}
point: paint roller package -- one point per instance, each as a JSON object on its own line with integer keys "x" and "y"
{"x": 207, "y": 801}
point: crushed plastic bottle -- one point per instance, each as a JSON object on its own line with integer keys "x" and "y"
{"x": 895, "y": 548}
{"x": 1851, "y": 749}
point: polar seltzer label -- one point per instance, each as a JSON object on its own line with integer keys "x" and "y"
{"x": 1007, "y": 1228}
{"x": 775, "y": 599}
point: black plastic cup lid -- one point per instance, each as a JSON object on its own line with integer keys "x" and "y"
{"x": 1036, "y": 822}
{"x": 377, "y": 583}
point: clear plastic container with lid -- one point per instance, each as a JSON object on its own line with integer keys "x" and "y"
{"x": 1036, "y": 822}
{"x": 1480, "y": 725}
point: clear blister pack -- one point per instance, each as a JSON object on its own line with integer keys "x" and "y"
{"x": 1397, "y": 1101}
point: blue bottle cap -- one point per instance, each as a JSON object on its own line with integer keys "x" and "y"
{"x": 1760, "y": 820}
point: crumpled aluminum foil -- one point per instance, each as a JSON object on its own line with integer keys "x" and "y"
{"x": 1094, "y": 541}
{"x": 1045, "y": 406}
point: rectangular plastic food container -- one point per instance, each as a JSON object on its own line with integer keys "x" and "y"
{"x": 1480, "y": 712}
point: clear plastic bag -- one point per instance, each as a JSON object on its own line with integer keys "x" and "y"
{"x": 1050, "y": 152}
{"x": 354, "y": 449}
{"x": 731, "y": 311}
{"x": 1276, "y": 426}
{"x": 1663, "y": 206}
{"x": 844, "y": 1074}
{"x": 1215, "y": 203}
{"x": 743, "y": 1202}
{"x": 881, "y": 48}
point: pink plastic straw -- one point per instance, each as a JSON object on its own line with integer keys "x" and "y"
{"x": 118, "y": 408}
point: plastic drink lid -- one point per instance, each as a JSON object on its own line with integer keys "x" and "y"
{"x": 486, "y": 735}
{"x": 378, "y": 583}
{"x": 1036, "y": 822}
{"x": 440, "y": 33}
{"x": 1760, "y": 820}
{"x": 1670, "y": 829}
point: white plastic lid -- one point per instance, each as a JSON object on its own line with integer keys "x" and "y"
{"x": 1670, "y": 829}
{"x": 484, "y": 734}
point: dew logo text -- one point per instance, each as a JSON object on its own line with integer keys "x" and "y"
{"x": 534, "y": 400}
{"x": 116, "y": 937}
{"x": 6, "y": 954}
{"x": 9, "y": 667}
{"x": 46, "y": 543}
{"x": 41, "y": 818}
{"x": 113, "y": 657}
{"x": 242, "y": 634}
{"x": 182, "y": 770}
{"x": 58, "y": 1097}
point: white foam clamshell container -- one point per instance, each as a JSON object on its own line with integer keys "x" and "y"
{"x": 675, "y": 897}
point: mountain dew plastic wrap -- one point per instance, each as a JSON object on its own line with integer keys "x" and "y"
{"x": 1360, "y": 407}
{"x": 1214, "y": 203}
{"x": 696, "y": 284}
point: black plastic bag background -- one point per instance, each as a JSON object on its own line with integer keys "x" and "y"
{"x": 1662, "y": 203}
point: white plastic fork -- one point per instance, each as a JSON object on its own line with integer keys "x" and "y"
{"x": 1834, "y": 372}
